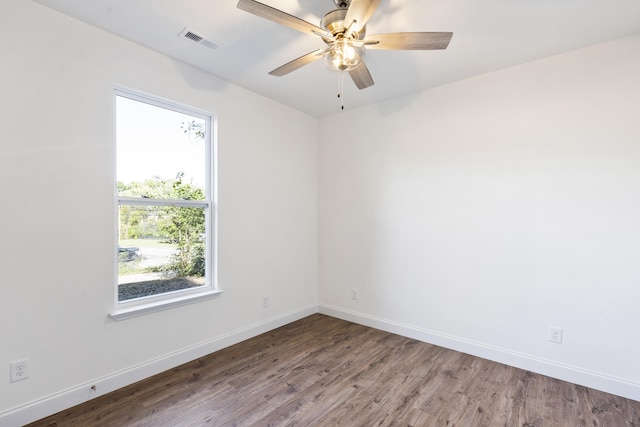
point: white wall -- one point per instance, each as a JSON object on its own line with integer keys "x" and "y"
{"x": 478, "y": 214}
{"x": 57, "y": 216}
{"x": 473, "y": 215}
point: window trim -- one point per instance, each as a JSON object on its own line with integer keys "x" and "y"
{"x": 140, "y": 306}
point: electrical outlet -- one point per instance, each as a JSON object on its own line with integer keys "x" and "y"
{"x": 354, "y": 294}
{"x": 265, "y": 301}
{"x": 19, "y": 370}
{"x": 555, "y": 335}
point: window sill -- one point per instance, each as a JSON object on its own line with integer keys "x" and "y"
{"x": 153, "y": 307}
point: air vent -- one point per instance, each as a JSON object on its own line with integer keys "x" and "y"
{"x": 198, "y": 38}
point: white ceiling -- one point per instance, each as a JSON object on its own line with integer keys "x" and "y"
{"x": 487, "y": 35}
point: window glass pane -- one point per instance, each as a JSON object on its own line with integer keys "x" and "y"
{"x": 160, "y": 249}
{"x": 164, "y": 185}
{"x": 157, "y": 147}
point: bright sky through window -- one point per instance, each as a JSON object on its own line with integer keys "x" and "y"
{"x": 137, "y": 124}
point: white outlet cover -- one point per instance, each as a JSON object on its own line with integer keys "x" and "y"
{"x": 19, "y": 370}
{"x": 555, "y": 335}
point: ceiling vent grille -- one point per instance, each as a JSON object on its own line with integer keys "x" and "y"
{"x": 198, "y": 38}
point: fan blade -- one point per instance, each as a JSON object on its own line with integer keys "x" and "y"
{"x": 358, "y": 15}
{"x": 297, "y": 63}
{"x": 361, "y": 76}
{"x": 280, "y": 17}
{"x": 409, "y": 41}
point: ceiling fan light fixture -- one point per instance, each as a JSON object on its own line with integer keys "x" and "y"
{"x": 343, "y": 55}
{"x": 343, "y": 30}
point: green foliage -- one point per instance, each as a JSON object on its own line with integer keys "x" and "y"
{"x": 186, "y": 229}
{"x": 132, "y": 267}
{"x": 195, "y": 128}
{"x": 152, "y": 188}
{"x": 181, "y": 226}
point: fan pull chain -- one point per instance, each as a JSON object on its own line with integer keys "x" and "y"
{"x": 341, "y": 89}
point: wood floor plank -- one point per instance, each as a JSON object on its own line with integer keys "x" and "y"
{"x": 322, "y": 371}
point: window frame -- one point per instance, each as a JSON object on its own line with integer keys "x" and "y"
{"x": 139, "y": 306}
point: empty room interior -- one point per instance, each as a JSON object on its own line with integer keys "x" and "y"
{"x": 482, "y": 198}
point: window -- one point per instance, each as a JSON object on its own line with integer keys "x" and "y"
{"x": 166, "y": 207}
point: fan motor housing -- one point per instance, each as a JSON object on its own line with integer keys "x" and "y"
{"x": 334, "y": 22}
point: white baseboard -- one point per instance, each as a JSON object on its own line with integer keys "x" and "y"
{"x": 595, "y": 380}
{"x": 60, "y": 401}
{"x": 81, "y": 393}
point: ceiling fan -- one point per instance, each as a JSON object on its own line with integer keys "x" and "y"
{"x": 344, "y": 32}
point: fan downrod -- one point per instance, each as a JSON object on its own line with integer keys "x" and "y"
{"x": 342, "y": 4}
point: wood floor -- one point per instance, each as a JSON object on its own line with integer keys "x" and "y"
{"x": 321, "y": 371}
